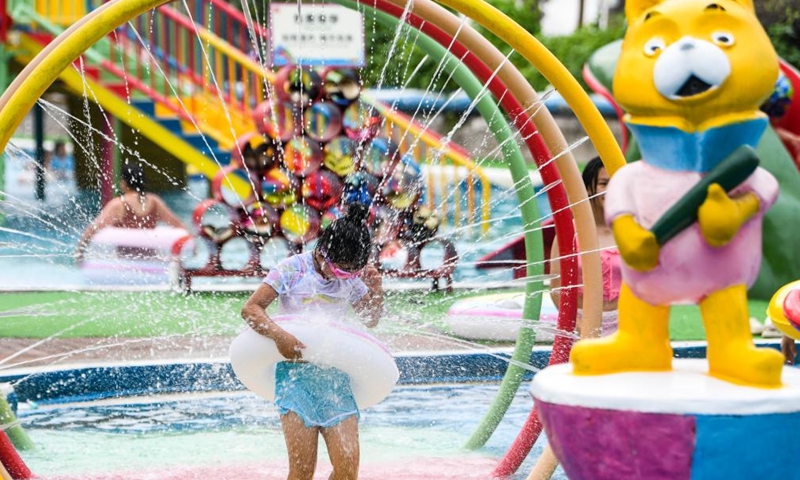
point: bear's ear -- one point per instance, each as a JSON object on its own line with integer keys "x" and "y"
{"x": 634, "y": 8}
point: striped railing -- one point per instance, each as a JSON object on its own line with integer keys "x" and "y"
{"x": 171, "y": 56}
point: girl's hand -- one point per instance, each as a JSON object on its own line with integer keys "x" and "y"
{"x": 289, "y": 346}
{"x": 372, "y": 278}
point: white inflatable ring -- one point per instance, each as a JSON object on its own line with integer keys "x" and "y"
{"x": 498, "y": 316}
{"x": 160, "y": 238}
{"x": 372, "y": 369}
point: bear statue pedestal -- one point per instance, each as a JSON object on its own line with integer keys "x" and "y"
{"x": 681, "y": 424}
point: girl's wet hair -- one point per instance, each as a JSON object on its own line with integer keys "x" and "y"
{"x": 347, "y": 242}
{"x": 591, "y": 174}
{"x": 133, "y": 175}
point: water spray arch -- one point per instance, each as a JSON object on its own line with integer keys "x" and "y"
{"x": 435, "y": 15}
{"x": 40, "y": 73}
{"x": 564, "y": 226}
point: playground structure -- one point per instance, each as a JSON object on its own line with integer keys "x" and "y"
{"x": 170, "y": 88}
{"x": 440, "y": 25}
{"x": 483, "y": 59}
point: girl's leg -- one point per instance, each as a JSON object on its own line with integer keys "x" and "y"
{"x": 301, "y": 442}
{"x": 343, "y": 448}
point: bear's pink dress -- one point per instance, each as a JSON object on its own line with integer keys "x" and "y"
{"x": 689, "y": 268}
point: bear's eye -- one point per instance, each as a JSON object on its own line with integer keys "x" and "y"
{"x": 653, "y": 46}
{"x": 723, "y": 38}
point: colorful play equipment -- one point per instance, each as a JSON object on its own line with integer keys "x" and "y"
{"x": 295, "y": 181}
{"x": 687, "y": 220}
{"x": 371, "y": 367}
{"x": 487, "y": 66}
{"x": 784, "y": 309}
{"x": 173, "y": 115}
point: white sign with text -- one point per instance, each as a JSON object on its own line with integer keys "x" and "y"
{"x": 319, "y": 35}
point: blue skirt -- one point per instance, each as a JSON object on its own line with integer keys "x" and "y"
{"x": 322, "y": 397}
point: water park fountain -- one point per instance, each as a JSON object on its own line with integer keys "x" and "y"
{"x": 300, "y": 142}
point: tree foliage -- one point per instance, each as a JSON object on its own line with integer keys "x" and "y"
{"x": 781, "y": 19}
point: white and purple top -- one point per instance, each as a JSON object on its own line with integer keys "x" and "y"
{"x": 302, "y": 289}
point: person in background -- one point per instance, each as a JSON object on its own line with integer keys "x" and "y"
{"x": 595, "y": 178}
{"x": 60, "y": 163}
{"x": 135, "y": 208}
{"x": 313, "y": 400}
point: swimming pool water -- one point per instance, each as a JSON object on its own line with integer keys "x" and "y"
{"x": 414, "y": 424}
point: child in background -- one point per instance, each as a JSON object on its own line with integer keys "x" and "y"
{"x": 61, "y": 163}
{"x": 313, "y": 400}
{"x": 135, "y": 208}
{"x": 595, "y": 178}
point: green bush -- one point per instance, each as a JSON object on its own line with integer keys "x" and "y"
{"x": 785, "y": 37}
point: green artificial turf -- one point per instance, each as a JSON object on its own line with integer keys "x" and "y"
{"x": 152, "y": 314}
{"x": 149, "y": 314}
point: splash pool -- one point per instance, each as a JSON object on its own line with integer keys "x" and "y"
{"x": 416, "y": 433}
{"x": 192, "y": 420}
{"x": 179, "y": 420}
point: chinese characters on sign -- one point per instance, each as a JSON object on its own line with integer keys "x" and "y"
{"x": 316, "y": 35}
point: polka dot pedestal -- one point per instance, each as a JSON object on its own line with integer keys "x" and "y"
{"x": 681, "y": 424}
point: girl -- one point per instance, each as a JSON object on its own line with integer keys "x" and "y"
{"x": 313, "y": 400}
{"x": 595, "y": 178}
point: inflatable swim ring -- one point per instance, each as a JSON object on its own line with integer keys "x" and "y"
{"x": 322, "y": 190}
{"x": 302, "y": 156}
{"x": 342, "y": 86}
{"x": 300, "y": 223}
{"x": 221, "y": 187}
{"x": 498, "y": 316}
{"x": 372, "y": 369}
{"x": 105, "y": 265}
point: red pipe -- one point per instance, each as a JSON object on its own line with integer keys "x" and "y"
{"x": 601, "y": 90}
{"x": 11, "y": 459}
{"x": 226, "y": 8}
{"x": 5, "y": 21}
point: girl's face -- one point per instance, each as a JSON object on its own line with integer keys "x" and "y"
{"x": 331, "y": 270}
{"x": 599, "y": 199}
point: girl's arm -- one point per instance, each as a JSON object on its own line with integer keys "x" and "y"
{"x": 254, "y": 313}
{"x": 371, "y": 305}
